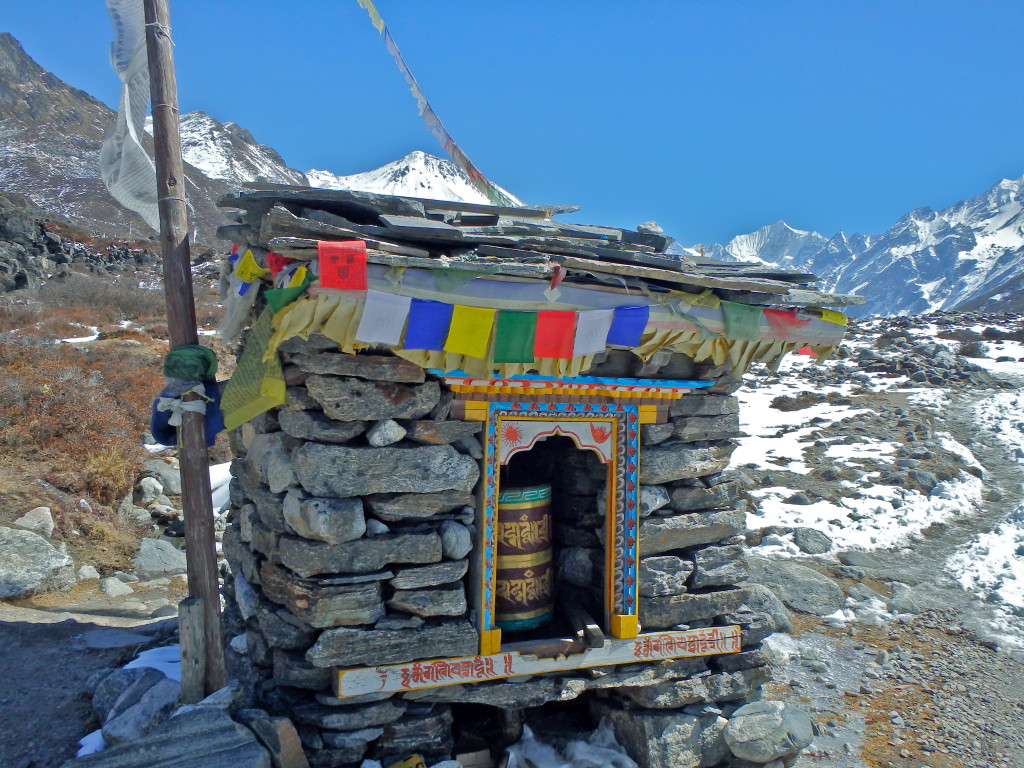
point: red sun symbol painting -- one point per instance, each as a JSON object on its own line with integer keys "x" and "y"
{"x": 600, "y": 433}
{"x": 511, "y": 435}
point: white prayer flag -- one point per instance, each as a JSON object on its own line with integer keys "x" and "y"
{"x": 384, "y": 316}
{"x": 592, "y": 328}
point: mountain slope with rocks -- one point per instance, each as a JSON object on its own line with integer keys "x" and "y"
{"x": 50, "y": 138}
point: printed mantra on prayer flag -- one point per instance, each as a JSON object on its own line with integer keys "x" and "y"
{"x": 474, "y": 669}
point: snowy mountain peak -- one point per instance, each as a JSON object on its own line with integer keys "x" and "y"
{"x": 777, "y": 243}
{"x": 229, "y": 153}
{"x": 418, "y": 174}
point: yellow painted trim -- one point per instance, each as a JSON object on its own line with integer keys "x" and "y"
{"x": 523, "y": 561}
{"x": 647, "y": 414}
{"x": 490, "y": 642}
{"x": 625, "y": 626}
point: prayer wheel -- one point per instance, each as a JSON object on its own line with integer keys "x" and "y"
{"x": 524, "y": 583}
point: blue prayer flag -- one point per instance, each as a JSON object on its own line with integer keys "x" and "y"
{"x": 428, "y": 323}
{"x": 628, "y": 326}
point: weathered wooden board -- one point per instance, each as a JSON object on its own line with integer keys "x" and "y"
{"x": 474, "y": 669}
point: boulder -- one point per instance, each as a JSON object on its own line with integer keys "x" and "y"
{"x": 330, "y": 520}
{"x": 811, "y": 540}
{"x": 349, "y": 647}
{"x": 113, "y": 587}
{"x": 30, "y": 565}
{"x": 334, "y": 470}
{"x": 664, "y": 534}
{"x": 767, "y": 730}
{"x": 450, "y": 601}
{"x": 270, "y": 456}
{"x": 38, "y": 520}
{"x": 664, "y": 575}
{"x": 666, "y": 612}
{"x": 456, "y": 540}
{"x": 719, "y": 566}
{"x": 157, "y": 558}
{"x": 350, "y": 399}
{"x": 801, "y": 588}
{"x": 315, "y": 426}
{"x": 670, "y": 739}
{"x": 386, "y": 432}
{"x": 150, "y": 711}
{"x": 309, "y": 558}
{"x": 666, "y": 462}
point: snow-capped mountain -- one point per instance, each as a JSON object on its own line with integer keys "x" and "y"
{"x": 967, "y": 256}
{"x": 229, "y": 153}
{"x": 415, "y": 175}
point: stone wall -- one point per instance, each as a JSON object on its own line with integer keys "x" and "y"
{"x": 352, "y": 535}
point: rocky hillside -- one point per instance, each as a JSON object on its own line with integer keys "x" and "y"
{"x": 50, "y": 138}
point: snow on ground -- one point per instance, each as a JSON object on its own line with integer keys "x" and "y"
{"x": 220, "y": 479}
{"x": 992, "y": 565}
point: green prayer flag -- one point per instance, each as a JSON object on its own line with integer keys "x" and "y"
{"x": 513, "y": 337}
{"x": 279, "y": 298}
{"x": 742, "y": 321}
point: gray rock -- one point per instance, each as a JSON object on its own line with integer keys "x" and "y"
{"x": 652, "y": 434}
{"x": 579, "y": 565}
{"x": 157, "y": 558}
{"x": 385, "y": 433}
{"x": 292, "y": 670}
{"x": 652, "y": 497}
{"x": 767, "y": 730}
{"x": 678, "y": 461}
{"x": 670, "y": 739}
{"x": 450, "y": 601}
{"x": 375, "y": 527}
{"x": 88, "y": 573}
{"x": 719, "y": 566}
{"x": 327, "y": 470}
{"x": 165, "y": 472}
{"x": 428, "y": 734}
{"x": 281, "y": 629}
{"x": 348, "y": 399}
{"x": 348, "y": 647}
{"x": 374, "y": 367}
{"x": 38, "y": 520}
{"x": 150, "y": 490}
{"x": 811, "y": 540}
{"x": 441, "y": 432}
{"x": 902, "y": 600}
{"x": 801, "y": 588}
{"x": 309, "y": 558}
{"x": 700, "y": 404}
{"x": 115, "y": 683}
{"x": 858, "y": 559}
{"x": 694, "y": 428}
{"x": 281, "y": 740}
{"x": 246, "y": 598}
{"x": 456, "y": 540}
{"x": 406, "y": 506}
{"x": 318, "y": 427}
{"x": 762, "y": 600}
{"x": 664, "y": 534}
{"x": 270, "y": 455}
{"x": 350, "y": 739}
{"x": 429, "y": 575}
{"x": 202, "y": 738}
{"x": 112, "y": 587}
{"x": 330, "y": 520}
{"x": 270, "y": 507}
{"x": 664, "y": 575}
{"x": 151, "y": 710}
{"x": 691, "y": 498}
{"x": 30, "y": 565}
{"x": 666, "y": 612}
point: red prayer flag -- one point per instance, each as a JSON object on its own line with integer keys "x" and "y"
{"x": 554, "y": 335}
{"x": 342, "y": 264}
{"x": 806, "y": 350}
{"x": 784, "y": 319}
{"x": 276, "y": 262}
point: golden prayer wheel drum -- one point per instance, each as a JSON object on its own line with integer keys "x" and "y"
{"x": 524, "y": 588}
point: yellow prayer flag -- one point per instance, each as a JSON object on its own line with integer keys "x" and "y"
{"x": 298, "y": 277}
{"x": 375, "y": 19}
{"x": 833, "y": 317}
{"x": 248, "y": 270}
{"x": 470, "y": 331}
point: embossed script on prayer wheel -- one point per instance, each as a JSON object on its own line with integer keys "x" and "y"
{"x": 524, "y": 588}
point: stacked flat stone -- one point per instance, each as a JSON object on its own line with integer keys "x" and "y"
{"x": 351, "y": 539}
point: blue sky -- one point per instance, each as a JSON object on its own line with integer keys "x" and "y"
{"x": 713, "y": 118}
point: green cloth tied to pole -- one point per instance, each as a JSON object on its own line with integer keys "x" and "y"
{"x": 190, "y": 362}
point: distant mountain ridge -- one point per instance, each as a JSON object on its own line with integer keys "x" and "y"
{"x": 967, "y": 256}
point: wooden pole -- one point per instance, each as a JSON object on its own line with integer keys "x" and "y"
{"x": 181, "y": 322}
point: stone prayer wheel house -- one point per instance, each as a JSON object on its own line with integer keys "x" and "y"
{"x": 481, "y": 468}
